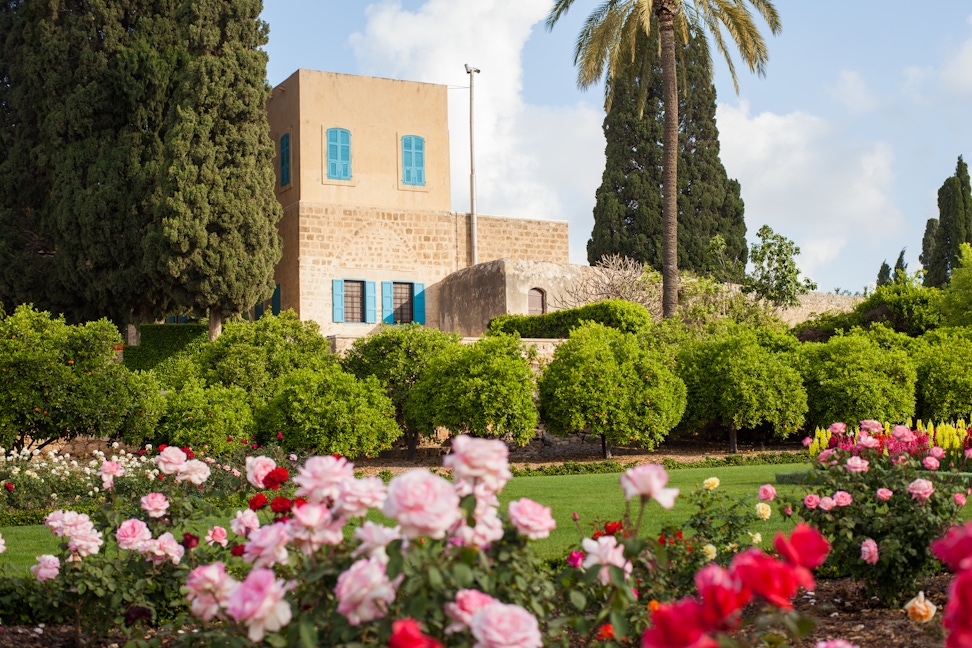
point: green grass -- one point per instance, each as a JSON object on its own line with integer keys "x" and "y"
{"x": 593, "y": 497}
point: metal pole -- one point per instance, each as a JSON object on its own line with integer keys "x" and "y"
{"x": 472, "y": 72}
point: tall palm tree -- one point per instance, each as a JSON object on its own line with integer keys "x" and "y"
{"x": 608, "y": 42}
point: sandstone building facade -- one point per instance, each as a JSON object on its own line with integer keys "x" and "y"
{"x": 368, "y": 235}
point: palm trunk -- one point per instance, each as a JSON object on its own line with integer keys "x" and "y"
{"x": 666, "y": 29}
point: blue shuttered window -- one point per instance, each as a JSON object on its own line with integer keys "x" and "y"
{"x": 338, "y": 154}
{"x": 413, "y": 160}
{"x": 285, "y": 159}
{"x": 354, "y": 301}
{"x": 402, "y": 302}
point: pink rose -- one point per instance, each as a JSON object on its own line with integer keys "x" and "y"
{"x": 959, "y": 499}
{"x": 811, "y": 501}
{"x": 132, "y": 534}
{"x": 900, "y": 459}
{"x": 921, "y": 489}
{"x": 869, "y": 552}
{"x": 47, "y": 567}
{"x": 825, "y": 455}
{"x": 903, "y": 434}
{"x": 576, "y": 559}
{"x": 648, "y": 481}
{"x": 460, "y": 613}
{"x": 217, "y": 535}
{"x": 531, "y": 519}
{"x": 835, "y": 643}
{"x": 259, "y": 603}
{"x": 487, "y": 530}
{"x": 857, "y": 465}
{"x": 171, "y": 461}
{"x": 930, "y": 463}
{"x": 843, "y": 498}
{"x": 498, "y": 625}
{"x": 837, "y": 428}
{"x": 257, "y": 468}
{"x": 423, "y": 504}
{"x": 767, "y": 493}
{"x": 364, "y": 591}
{"x": 827, "y": 503}
{"x": 155, "y": 504}
{"x": 865, "y": 440}
{"x": 968, "y": 453}
{"x": 84, "y": 540}
{"x": 356, "y": 496}
{"x": 320, "y": 478}
{"x": 165, "y": 547}
{"x": 484, "y": 461}
{"x": 313, "y": 526}
{"x": 884, "y": 494}
{"x": 605, "y": 551}
{"x": 937, "y": 452}
{"x": 374, "y": 538}
{"x": 195, "y": 472}
{"x": 872, "y": 427}
{"x": 807, "y": 442}
{"x": 245, "y": 522}
{"x": 267, "y": 546}
{"x": 108, "y": 471}
{"x": 209, "y": 590}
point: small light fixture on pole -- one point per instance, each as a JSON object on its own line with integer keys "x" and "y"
{"x": 472, "y": 72}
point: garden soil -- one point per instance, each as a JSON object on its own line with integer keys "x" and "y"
{"x": 840, "y": 607}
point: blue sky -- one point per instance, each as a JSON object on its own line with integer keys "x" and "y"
{"x": 842, "y": 146}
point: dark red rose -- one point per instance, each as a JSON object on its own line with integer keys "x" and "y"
{"x": 275, "y": 478}
{"x": 9, "y": 486}
{"x": 612, "y": 528}
{"x": 258, "y": 501}
{"x": 280, "y": 504}
{"x": 237, "y": 550}
{"x": 298, "y": 502}
{"x": 190, "y": 541}
{"x": 137, "y": 613}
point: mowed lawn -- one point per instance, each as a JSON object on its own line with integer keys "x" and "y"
{"x": 593, "y": 497}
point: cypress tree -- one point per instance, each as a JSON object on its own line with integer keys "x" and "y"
{"x": 627, "y": 213}
{"x": 884, "y": 274}
{"x": 900, "y": 268}
{"x": 215, "y": 242}
{"x": 954, "y": 227}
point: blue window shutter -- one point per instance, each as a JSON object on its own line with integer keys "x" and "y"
{"x": 285, "y": 159}
{"x": 413, "y": 160}
{"x": 258, "y": 311}
{"x": 333, "y": 154}
{"x": 275, "y": 300}
{"x": 345, "y": 154}
{"x": 387, "y": 303}
{"x": 337, "y": 299}
{"x": 418, "y": 303}
{"x": 371, "y": 310}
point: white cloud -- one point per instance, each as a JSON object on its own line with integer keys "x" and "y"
{"x": 530, "y": 162}
{"x": 956, "y": 75}
{"x": 808, "y": 181}
{"x": 852, "y": 92}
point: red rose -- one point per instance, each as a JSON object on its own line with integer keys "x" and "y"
{"x": 238, "y": 550}
{"x": 805, "y": 549}
{"x": 298, "y": 502}
{"x": 612, "y": 528}
{"x": 280, "y": 505}
{"x": 162, "y": 447}
{"x": 189, "y": 453}
{"x": 406, "y": 633}
{"x": 258, "y": 501}
{"x": 677, "y": 624}
{"x": 775, "y": 581}
{"x": 275, "y": 478}
{"x": 190, "y": 541}
{"x": 9, "y": 486}
{"x": 723, "y": 596}
{"x": 955, "y": 549}
{"x": 956, "y": 618}
{"x": 605, "y": 632}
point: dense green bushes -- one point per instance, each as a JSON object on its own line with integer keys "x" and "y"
{"x": 735, "y": 382}
{"x": 602, "y": 381}
{"x": 944, "y": 385}
{"x": 158, "y": 342}
{"x": 623, "y": 315}
{"x": 61, "y": 381}
{"x": 483, "y": 389}
{"x": 849, "y": 378}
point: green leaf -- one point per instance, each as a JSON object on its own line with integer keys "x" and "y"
{"x": 578, "y": 600}
{"x": 620, "y": 623}
{"x": 463, "y": 575}
{"x": 436, "y": 581}
{"x": 308, "y": 633}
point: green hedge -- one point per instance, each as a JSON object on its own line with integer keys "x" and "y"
{"x": 617, "y": 313}
{"x": 162, "y": 341}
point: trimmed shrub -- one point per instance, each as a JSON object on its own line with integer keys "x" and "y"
{"x": 944, "y": 377}
{"x": 398, "y": 356}
{"x": 258, "y": 355}
{"x": 158, "y": 342}
{"x": 197, "y": 416}
{"x": 601, "y": 380}
{"x": 851, "y": 378}
{"x": 61, "y": 381}
{"x": 617, "y": 313}
{"x": 483, "y": 389}
{"x": 734, "y": 382}
{"x": 325, "y": 410}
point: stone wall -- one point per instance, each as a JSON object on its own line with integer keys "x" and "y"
{"x": 819, "y": 303}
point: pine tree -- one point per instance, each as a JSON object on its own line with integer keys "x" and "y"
{"x": 628, "y": 210}
{"x": 954, "y": 226}
{"x": 884, "y": 274}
